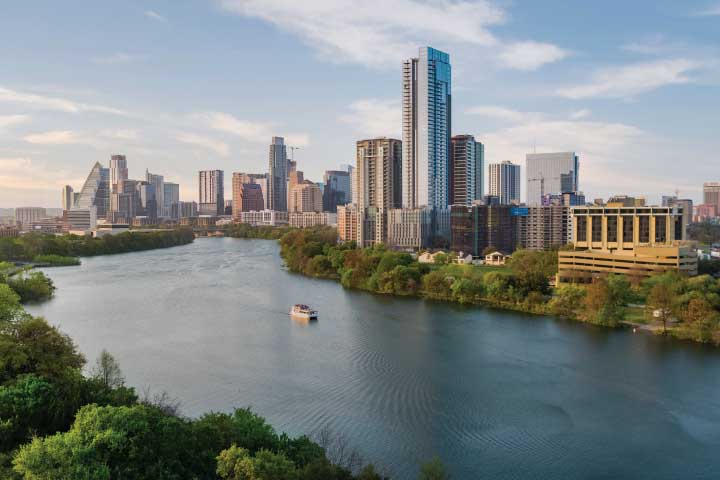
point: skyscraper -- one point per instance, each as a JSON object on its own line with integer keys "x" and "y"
{"x": 711, "y": 194}
{"x": 118, "y": 172}
{"x": 306, "y": 197}
{"x": 211, "y": 192}
{"x": 426, "y": 130}
{"x": 171, "y": 195}
{"x": 505, "y": 182}
{"x": 159, "y": 182}
{"x": 337, "y": 189}
{"x": 95, "y": 191}
{"x": 467, "y": 165}
{"x": 551, "y": 173}
{"x": 277, "y": 175}
{"x": 68, "y": 199}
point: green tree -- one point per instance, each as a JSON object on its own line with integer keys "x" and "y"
{"x": 661, "y": 299}
{"x": 10, "y": 308}
{"x": 606, "y": 300}
{"x": 433, "y": 470}
{"x": 236, "y": 463}
{"x": 567, "y": 301}
{"x": 32, "y": 287}
{"x": 107, "y": 371}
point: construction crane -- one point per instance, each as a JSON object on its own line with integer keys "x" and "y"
{"x": 292, "y": 151}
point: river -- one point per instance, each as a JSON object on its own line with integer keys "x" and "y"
{"x": 495, "y": 394}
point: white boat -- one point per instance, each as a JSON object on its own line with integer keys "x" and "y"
{"x": 303, "y": 311}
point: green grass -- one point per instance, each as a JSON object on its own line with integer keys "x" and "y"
{"x": 635, "y": 315}
{"x": 56, "y": 260}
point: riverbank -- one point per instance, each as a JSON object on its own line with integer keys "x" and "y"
{"x": 689, "y": 307}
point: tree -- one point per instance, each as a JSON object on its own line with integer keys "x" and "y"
{"x": 10, "y": 307}
{"x": 107, "y": 370}
{"x": 433, "y": 470}
{"x": 236, "y": 463}
{"x": 606, "y": 300}
{"x": 31, "y": 345}
{"x": 661, "y": 299}
{"x": 32, "y": 287}
{"x": 567, "y": 301}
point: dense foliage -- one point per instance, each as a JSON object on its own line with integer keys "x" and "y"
{"x": 686, "y": 307}
{"x": 244, "y": 230}
{"x": 30, "y": 286}
{"x": 51, "y": 260}
{"x": 30, "y": 246}
{"x": 706, "y": 233}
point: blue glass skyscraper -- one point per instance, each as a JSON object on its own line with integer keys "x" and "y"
{"x": 426, "y": 130}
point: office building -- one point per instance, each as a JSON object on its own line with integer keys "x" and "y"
{"x": 685, "y": 204}
{"x": 551, "y": 173}
{"x": 467, "y": 164}
{"x": 118, "y": 172}
{"x": 247, "y": 197}
{"x": 9, "y": 231}
{"x": 379, "y": 183}
{"x": 476, "y": 228}
{"x": 159, "y": 182}
{"x": 625, "y": 201}
{"x": 81, "y": 220}
{"x": 711, "y": 194}
{"x": 95, "y": 191}
{"x": 636, "y": 241}
{"x": 147, "y": 197}
{"x": 295, "y": 178}
{"x": 312, "y": 219}
{"x": 426, "y": 108}
{"x": 211, "y": 192}
{"x": 277, "y": 176}
{"x": 409, "y": 228}
{"x": 306, "y": 197}
{"x": 542, "y": 227}
{"x": 270, "y": 218}
{"x": 188, "y": 209}
{"x": 25, "y": 216}
{"x": 348, "y": 222}
{"x": 567, "y": 199}
{"x": 504, "y": 182}
{"x": 68, "y": 197}
{"x": 705, "y": 212}
{"x": 171, "y": 194}
{"x": 338, "y": 189}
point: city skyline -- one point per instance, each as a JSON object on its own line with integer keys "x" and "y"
{"x": 521, "y": 85}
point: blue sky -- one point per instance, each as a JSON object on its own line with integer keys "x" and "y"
{"x": 178, "y": 86}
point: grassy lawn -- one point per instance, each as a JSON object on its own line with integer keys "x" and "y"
{"x": 636, "y": 315}
{"x": 493, "y": 268}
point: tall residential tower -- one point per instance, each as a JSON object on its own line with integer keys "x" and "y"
{"x": 277, "y": 195}
{"x": 211, "y": 194}
{"x": 466, "y": 173}
{"x": 505, "y": 182}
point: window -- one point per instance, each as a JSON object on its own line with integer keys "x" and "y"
{"x": 628, "y": 229}
{"x": 582, "y": 229}
{"x": 644, "y": 229}
{"x": 596, "y": 229}
{"x": 612, "y": 231}
{"x": 661, "y": 229}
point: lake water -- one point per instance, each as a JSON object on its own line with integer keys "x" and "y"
{"x": 495, "y": 394}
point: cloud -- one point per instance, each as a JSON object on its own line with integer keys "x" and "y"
{"x": 711, "y": 11}
{"x": 256, "y": 132}
{"x": 118, "y": 58}
{"x": 216, "y": 146}
{"x": 579, "y": 114}
{"x": 54, "y": 103}
{"x": 58, "y": 137}
{"x": 121, "y": 134}
{"x": 634, "y": 79}
{"x": 529, "y": 56}
{"x": 505, "y": 114}
{"x": 12, "y": 120}
{"x": 155, "y": 16}
{"x": 380, "y": 33}
{"x": 374, "y": 118}
{"x": 15, "y": 175}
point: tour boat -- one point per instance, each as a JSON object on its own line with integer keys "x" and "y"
{"x": 303, "y": 311}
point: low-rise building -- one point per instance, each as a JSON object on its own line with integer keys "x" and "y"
{"x": 311, "y": 219}
{"x": 409, "y": 228}
{"x": 82, "y": 219}
{"x": 636, "y": 241}
{"x": 477, "y": 227}
{"x": 9, "y": 231}
{"x": 271, "y": 218}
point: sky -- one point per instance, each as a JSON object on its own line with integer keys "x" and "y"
{"x": 180, "y": 86}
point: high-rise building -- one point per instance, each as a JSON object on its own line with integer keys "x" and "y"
{"x": 27, "y": 215}
{"x": 148, "y": 200}
{"x": 379, "y": 184}
{"x": 685, "y": 204}
{"x": 551, "y": 173}
{"x": 426, "y": 130}
{"x": 306, "y": 197}
{"x": 295, "y": 178}
{"x": 277, "y": 175}
{"x": 211, "y": 192}
{"x": 158, "y": 181}
{"x": 247, "y": 197}
{"x": 118, "y": 172}
{"x": 348, "y": 222}
{"x": 476, "y": 228}
{"x": 543, "y": 227}
{"x": 337, "y": 189}
{"x": 95, "y": 191}
{"x": 68, "y": 197}
{"x": 711, "y": 194}
{"x": 171, "y": 195}
{"x": 505, "y": 182}
{"x": 467, "y": 164}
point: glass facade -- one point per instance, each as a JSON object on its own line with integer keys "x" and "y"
{"x": 96, "y": 191}
{"x": 551, "y": 173}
